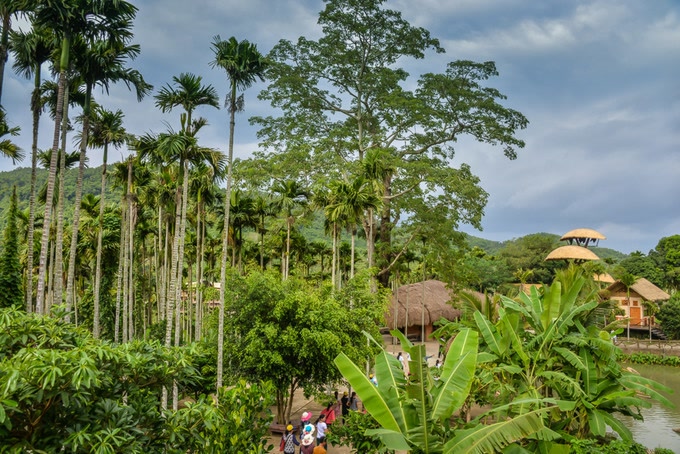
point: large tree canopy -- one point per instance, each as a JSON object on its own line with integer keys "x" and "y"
{"x": 344, "y": 99}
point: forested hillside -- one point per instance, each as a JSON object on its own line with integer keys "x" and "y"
{"x": 21, "y": 178}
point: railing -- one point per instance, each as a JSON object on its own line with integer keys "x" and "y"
{"x": 658, "y": 346}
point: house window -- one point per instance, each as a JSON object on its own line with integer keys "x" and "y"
{"x": 636, "y": 303}
{"x": 624, "y": 302}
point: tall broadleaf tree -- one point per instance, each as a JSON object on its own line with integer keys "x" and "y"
{"x": 244, "y": 65}
{"x": 344, "y": 95}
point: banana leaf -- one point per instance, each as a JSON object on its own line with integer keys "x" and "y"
{"x": 457, "y": 375}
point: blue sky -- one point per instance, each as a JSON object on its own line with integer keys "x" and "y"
{"x": 598, "y": 80}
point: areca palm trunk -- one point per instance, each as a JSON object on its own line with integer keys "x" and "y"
{"x": 335, "y": 256}
{"x": 44, "y": 242}
{"x": 180, "y": 262}
{"x": 199, "y": 299}
{"x": 35, "y": 108}
{"x": 172, "y": 294}
{"x": 225, "y": 241}
{"x": 58, "y": 280}
{"x": 132, "y": 220}
{"x": 98, "y": 266}
{"x": 76, "y": 210}
{"x": 119, "y": 280}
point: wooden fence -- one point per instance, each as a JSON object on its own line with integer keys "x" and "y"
{"x": 657, "y": 346}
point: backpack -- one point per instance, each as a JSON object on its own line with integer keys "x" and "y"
{"x": 289, "y": 446}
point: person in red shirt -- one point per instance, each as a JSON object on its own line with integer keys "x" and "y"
{"x": 329, "y": 413}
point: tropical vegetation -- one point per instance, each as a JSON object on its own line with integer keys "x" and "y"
{"x": 166, "y": 301}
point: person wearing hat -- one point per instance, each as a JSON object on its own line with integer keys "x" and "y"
{"x": 373, "y": 380}
{"x": 345, "y": 405}
{"x": 288, "y": 441}
{"x": 307, "y": 444}
{"x": 304, "y": 421}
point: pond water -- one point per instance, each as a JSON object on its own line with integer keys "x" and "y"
{"x": 657, "y": 428}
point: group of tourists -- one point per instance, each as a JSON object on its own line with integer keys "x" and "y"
{"x": 312, "y": 435}
{"x": 310, "y": 432}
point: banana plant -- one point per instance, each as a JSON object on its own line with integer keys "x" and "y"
{"x": 543, "y": 347}
{"x": 415, "y": 411}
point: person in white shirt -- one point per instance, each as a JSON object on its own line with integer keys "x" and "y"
{"x": 321, "y": 428}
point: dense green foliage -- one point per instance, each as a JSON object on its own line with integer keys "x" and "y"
{"x": 59, "y": 387}
{"x": 288, "y": 332}
{"x": 10, "y": 269}
{"x": 650, "y": 358}
{"x": 669, "y": 317}
{"x": 544, "y": 346}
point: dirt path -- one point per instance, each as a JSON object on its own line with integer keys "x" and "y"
{"x": 301, "y": 404}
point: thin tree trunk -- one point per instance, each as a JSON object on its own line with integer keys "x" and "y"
{"x": 4, "y": 48}
{"x": 132, "y": 220}
{"x": 121, "y": 266}
{"x": 223, "y": 268}
{"x": 100, "y": 235}
{"x": 42, "y": 273}
{"x": 58, "y": 281}
{"x": 335, "y": 256}
{"x": 126, "y": 275}
{"x": 79, "y": 195}
{"x": 35, "y": 108}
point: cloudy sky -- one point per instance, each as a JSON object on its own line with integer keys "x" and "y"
{"x": 598, "y": 80}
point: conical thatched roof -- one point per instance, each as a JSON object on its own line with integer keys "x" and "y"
{"x": 437, "y": 298}
{"x": 642, "y": 287}
{"x": 583, "y": 233}
{"x": 572, "y": 253}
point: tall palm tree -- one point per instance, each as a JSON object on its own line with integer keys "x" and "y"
{"x": 68, "y": 19}
{"x": 243, "y": 64}
{"x": 204, "y": 188}
{"x": 187, "y": 92}
{"x": 348, "y": 205}
{"x": 263, "y": 208}
{"x": 106, "y": 129}
{"x": 7, "y": 147}
{"x": 375, "y": 167}
{"x": 30, "y": 51}
{"x": 100, "y": 63}
{"x": 180, "y": 147}
{"x": 8, "y": 10}
{"x": 290, "y": 196}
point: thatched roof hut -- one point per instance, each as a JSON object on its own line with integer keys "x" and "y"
{"x": 577, "y": 253}
{"x": 582, "y": 237}
{"x": 645, "y": 289}
{"x": 437, "y": 305}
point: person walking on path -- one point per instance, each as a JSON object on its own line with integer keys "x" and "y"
{"x": 328, "y": 413}
{"x": 321, "y": 428}
{"x": 307, "y": 444}
{"x": 345, "y": 405}
{"x": 304, "y": 421}
{"x": 321, "y": 449}
{"x": 289, "y": 441}
{"x": 353, "y": 402}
